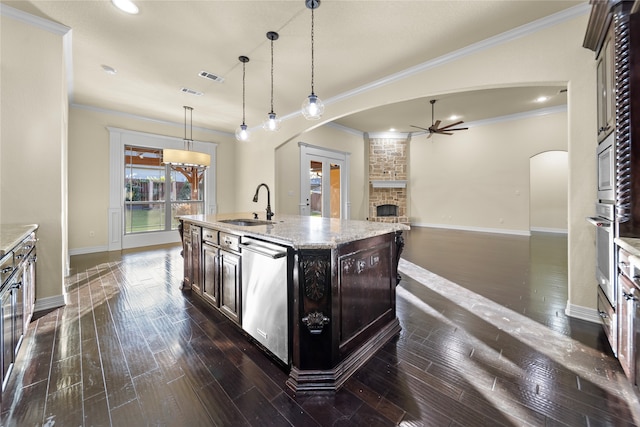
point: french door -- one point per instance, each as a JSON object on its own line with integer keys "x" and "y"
{"x": 323, "y": 182}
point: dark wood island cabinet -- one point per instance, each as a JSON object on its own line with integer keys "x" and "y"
{"x": 337, "y": 287}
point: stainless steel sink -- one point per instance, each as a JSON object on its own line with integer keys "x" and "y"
{"x": 245, "y": 222}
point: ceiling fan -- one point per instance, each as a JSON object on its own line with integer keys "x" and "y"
{"x": 435, "y": 127}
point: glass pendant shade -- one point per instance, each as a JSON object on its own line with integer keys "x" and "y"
{"x": 312, "y": 107}
{"x": 272, "y": 123}
{"x": 242, "y": 133}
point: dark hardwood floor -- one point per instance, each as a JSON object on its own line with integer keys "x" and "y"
{"x": 131, "y": 349}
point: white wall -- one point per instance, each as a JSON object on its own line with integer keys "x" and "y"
{"x": 550, "y": 55}
{"x": 34, "y": 146}
{"x": 479, "y": 179}
{"x": 287, "y": 168}
{"x": 89, "y": 170}
{"x": 548, "y": 194}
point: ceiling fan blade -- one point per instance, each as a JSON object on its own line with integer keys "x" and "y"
{"x": 436, "y": 124}
{"x": 413, "y": 126}
{"x": 452, "y": 124}
{"x": 445, "y": 133}
{"x": 429, "y": 135}
{"x": 449, "y": 130}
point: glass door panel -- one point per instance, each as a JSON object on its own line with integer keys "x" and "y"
{"x": 315, "y": 188}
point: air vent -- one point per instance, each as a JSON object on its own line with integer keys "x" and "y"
{"x": 191, "y": 91}
{"x": 211, "y": 76}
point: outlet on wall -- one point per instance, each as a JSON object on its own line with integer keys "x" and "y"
{"x": 92, "y": 233}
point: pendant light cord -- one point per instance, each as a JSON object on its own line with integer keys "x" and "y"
{"x": 271, "y": 75}
{"x": 243, "y": 76}
{"x": 312, "y": 55}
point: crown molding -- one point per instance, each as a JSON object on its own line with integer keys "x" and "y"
{"x": 36, "y": 21}
{"x": 148, "y": 119}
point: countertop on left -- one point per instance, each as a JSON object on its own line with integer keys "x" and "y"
{"x": 12, "y": 234}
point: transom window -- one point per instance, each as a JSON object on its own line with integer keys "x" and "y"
{"x": 155, "y": 193}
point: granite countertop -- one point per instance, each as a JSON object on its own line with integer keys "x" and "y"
{"x": 300, "y": 232}
{"x": 12, "y": 234}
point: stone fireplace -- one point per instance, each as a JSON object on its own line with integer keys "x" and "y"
{"x": 388, "y": 180}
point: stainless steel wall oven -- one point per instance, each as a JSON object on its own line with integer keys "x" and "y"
{"x": 605, "y": 249}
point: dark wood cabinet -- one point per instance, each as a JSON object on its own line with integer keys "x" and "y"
{"x": 230, "y": 284}
{"x": 218, "y": 280}
{"x": 626, "y": 314}
{"x": 338, "y": 300}
{"x": 605, "y": 87}
{"x": 195, "y": 259}
{"x": 209, "y": 274}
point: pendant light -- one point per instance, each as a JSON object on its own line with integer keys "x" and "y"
{"x": 312, "y": 107}
{"x": 186, "y": 157}
{"x": 272, "y": 123}
{"x": 242, "y": 133}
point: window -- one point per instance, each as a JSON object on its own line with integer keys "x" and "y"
{"x": 155, "y": 193}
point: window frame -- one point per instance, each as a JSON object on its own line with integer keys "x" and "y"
{"x": 118, "y": 139}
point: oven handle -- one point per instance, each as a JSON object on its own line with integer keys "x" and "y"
{"x": 599, "y": 222}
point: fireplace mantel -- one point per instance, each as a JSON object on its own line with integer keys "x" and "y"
{"x": 389, "y": 183}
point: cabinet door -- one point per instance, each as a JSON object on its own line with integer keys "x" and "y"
{"x": 18, "y": 313}
{"x": 606, "y": 88}
{"x": 230, "y": 285}
{"x": 210, "y": 274}
{"x": 29, "y": 287}
{"x": 625, "y": 325}
{"x": 187, "y": 257}
{"x": 196, "y": 239}
{"x": 6, "y": 316}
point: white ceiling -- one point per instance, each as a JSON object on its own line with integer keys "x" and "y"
{"x": 164, "y": 47}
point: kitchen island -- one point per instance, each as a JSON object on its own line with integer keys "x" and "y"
{"x": 317, "y": 294}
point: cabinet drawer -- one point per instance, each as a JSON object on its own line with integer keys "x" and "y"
{"x": 210, "y": 236}
{"x": 624, "y": 264}
{"x": 229, "y": 241}
{"x": 6, "y": 267}
{"x": 608, "y": 318}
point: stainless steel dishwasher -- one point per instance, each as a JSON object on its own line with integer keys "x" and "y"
{"x": 264, "y": 295}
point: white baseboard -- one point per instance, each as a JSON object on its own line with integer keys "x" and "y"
{"x": 477, "y": 229}
{"x": 550, "y": 230}
{"x": 582, "y": 313}
{"x": 88, "y": 250}
{"x": 48, "y": 303}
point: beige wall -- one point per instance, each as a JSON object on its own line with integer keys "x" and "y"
{"x": 548, "y": 194}
{"x": 479, "y": 178}
{"x": 34, "y": 143}
{"x": 89, "y": 170}
{"x": 287, "y": 168}
{"x": 551, "y": 55}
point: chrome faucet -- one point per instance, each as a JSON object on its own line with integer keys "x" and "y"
{"x": 255, "y": 199}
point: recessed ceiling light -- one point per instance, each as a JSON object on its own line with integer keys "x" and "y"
{"x": 542, "y": 99}
{"x": 454, "y": 117}
{"x": 109, "y": 70}
{"x": 392, "y": 129}
{"x": 126, "y": 6}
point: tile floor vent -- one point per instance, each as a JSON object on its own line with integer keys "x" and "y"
{"x": 191, "y": 91}
{"x": 211, "y": 76}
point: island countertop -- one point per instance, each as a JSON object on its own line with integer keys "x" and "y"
{"x": 300, "y": 232}
{"x": 12, "y": 234}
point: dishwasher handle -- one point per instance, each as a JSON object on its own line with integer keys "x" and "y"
{"x": 265, "y": 249}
